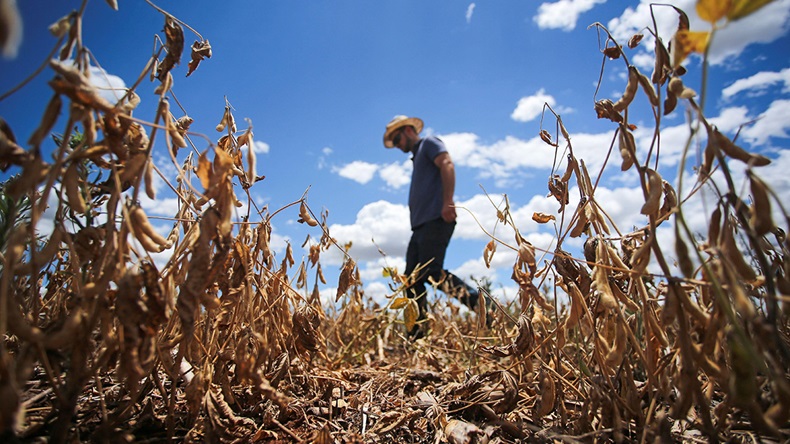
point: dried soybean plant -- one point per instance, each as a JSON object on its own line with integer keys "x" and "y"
{"x": 704, "y": 346}
{"x": 115, "y": 328}
{"x": 106, "y": 299}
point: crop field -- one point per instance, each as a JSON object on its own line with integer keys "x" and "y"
{"x": 227, "y": 342}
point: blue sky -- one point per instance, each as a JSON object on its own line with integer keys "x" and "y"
{"x": 320, "y": 80}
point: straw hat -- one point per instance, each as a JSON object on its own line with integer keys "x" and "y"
{"x": 399, "y": 122}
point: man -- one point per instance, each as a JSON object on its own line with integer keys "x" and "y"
{"x": 432, "y": 213}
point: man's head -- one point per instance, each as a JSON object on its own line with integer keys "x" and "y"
{"x": 402, "y": 132}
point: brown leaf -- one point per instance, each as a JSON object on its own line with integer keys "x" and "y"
{"x": 546, "y": 137}
{"x": 410, "y": 314}
{"x": 613, "y": 52}
{"x": 204, "y": 169}
{"x": 462, "y": 432}
{"x": 543, "y": 218}
{"x": 633, "y": 42}
{"x": 174, "y": 44}
{"x": 346, "y": 279}
{"x": 307, "y": 336}
{"x": 605, "y": 109}
{"x": 488, "y": 252}
{"x": 200, "y": 50}
{"x": 76, "y": 85}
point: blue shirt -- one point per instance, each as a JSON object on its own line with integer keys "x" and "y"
{"x": 425, "y": 194}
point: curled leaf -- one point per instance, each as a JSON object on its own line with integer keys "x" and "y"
{"x": 174, "y": 44}
{"x": 488, "y": 252}
{"x": 633, "y": 42}
{"x": 542, "y": 218}
{"x": 200, "y": 50}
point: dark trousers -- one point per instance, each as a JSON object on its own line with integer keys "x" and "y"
{"x": 428, "y": 245}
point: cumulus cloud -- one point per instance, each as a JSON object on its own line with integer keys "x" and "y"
{"x": 382, "y": 222}
{"x": 758, "y": 83}
{"x": 563, "y": 14}
{"x": 764, "y": 26}
{"x": 396, "y": 175}
{"x": 110, "y": 86}
{"x": 469, "y": 11}
{"x": 771, "y": 123}
{"x": 322, "y": 159}
{"x": 358, "y": 171}
{"x": 530, "y": 107}
{"x": 511, "y": 160}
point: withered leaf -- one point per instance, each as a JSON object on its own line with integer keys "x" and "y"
{"x": 542, "y": 218}
{"x": 174, "y": 44}
{"x": 200, "y": 50}
{"x": 411, "y": 313}
{"x": 633, "y": 42}
{"x": 613, "y": 52}
{"x": 488, "y": 252}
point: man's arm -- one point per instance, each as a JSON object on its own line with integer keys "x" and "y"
{"x": 447, "y": 172}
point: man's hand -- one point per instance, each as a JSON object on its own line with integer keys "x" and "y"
{"x": 448, "y": 212}
{"x": 447, "y": 172}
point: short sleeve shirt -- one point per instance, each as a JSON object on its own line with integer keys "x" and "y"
{"x": 425, "y": 194}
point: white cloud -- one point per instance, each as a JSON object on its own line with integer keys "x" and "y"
{"x": 111, "y": 87}
{"x": 260, "y": 147}
{"x": 764, "y": 26}
{"x": 530, "y": 107}
{"x": 758, "y": 83}
{"x": 325, "y": 152}
{"x": 563, "y": 14}
{"x": 508, "y": 160}
{"x": 383, "y": 222}
{"x": 771, "y": 123}
{"x": 396, "y": 175}
{"x": 358, "y": 171}
{"x": 469, "y": 11}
